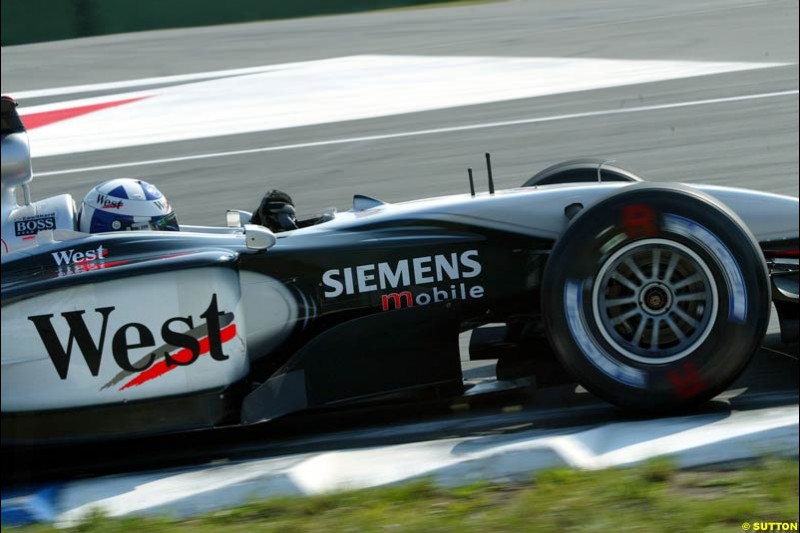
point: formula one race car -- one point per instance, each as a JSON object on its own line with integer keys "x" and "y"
{"x": 652, "y": 296}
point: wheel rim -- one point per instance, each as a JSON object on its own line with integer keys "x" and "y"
{"x": 655, "y": 301}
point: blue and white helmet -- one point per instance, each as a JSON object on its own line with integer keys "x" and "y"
{"x": 126, "y": 204}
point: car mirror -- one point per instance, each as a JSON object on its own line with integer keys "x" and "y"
{"x": 235, "y": 218}
{"x": 259, "y": 237}
{"x": 16, "y": 160}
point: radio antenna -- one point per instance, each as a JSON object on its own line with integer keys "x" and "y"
{"x": 471, "y": 183}
{"x": 489, "y": 170}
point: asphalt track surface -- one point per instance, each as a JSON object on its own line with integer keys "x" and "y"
{"x": 751, "y": 142}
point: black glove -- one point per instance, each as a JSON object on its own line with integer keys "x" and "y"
{"x": 275, "y": 212}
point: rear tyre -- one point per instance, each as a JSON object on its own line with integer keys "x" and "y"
{"x": 656, "y": 298}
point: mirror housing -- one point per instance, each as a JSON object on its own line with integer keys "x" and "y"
{"x": 16, "y": 164}
{"x": 259, "y": 237}
{"x": 16, "y": 170}
{"x": 236, "y": 218}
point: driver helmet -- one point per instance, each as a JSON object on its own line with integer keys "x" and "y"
{"x": 126, "y": 204}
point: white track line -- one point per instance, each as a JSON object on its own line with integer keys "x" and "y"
{"x": 427, "y": 132}
{"x": 148, "y": 82}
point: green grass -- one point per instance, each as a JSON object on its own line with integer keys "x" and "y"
{"x": 654, "y": 497}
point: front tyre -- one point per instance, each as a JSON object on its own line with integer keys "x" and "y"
{"x": 656, "y": 298}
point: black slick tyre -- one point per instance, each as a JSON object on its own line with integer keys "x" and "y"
{"x": 656, "y": 298}
{"x": 581, "y": 171}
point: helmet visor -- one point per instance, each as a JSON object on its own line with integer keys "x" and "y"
{"x": 167, "y": 222}
{"x": 103, "y": 221}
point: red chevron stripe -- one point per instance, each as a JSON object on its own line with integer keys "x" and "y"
{"x": 37, "y": 120}
{"x": 161, "y": 368}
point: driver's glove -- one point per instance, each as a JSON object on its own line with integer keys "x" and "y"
{"x": 276, "y": 212}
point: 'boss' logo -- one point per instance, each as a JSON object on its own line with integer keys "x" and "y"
{"x": 33, "y": 225}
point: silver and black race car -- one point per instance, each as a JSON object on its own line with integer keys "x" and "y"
{"x": 653, "y": 296}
